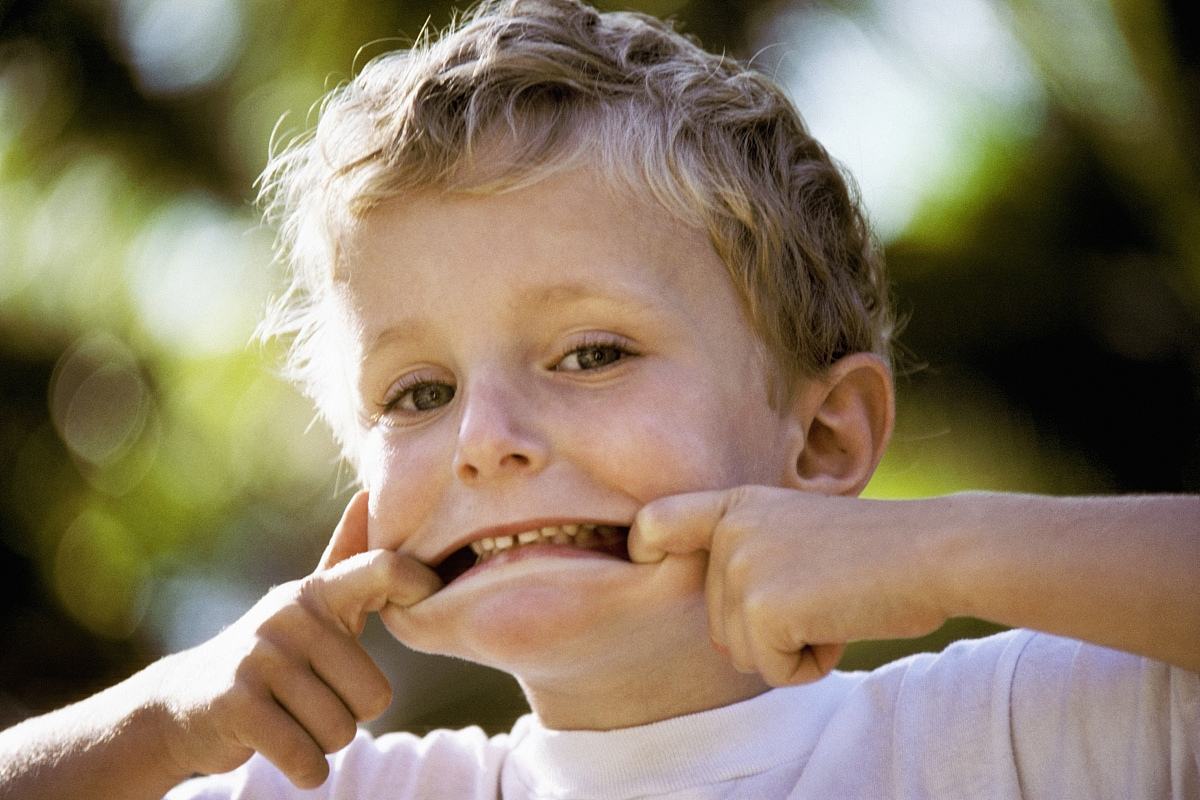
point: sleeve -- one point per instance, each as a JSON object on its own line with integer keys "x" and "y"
{"x": 1087, "y": 721}
{"x": 461, "y": 764}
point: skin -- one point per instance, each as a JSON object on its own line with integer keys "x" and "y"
{"x": 752, "y": 560}
{"x": 498, "y": 311}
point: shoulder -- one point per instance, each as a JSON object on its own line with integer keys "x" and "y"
{"x": 462, "y": 763}
{"x": 1109, "y": 723}
{"x": 1005, "y": 713}
{"x": 1028, "y": 685}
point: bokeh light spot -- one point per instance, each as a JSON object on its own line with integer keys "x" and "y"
{"x": 98, "y": 399}
{"x": 180, "y": 46}
{"x": 905, "y": 93}
{"x": 200, "y": 277}
{"x": 99, "y": 574}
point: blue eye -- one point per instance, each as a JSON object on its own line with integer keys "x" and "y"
{"x": 591, "y": 356}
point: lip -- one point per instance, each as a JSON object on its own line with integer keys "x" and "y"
{"x": 531, "y": 551}
{"x": 513, "y": 528}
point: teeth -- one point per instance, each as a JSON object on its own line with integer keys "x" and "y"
{"x": 580, "y": 535}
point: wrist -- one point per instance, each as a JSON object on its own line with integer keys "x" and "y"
{"x": 157, "y": 727}
{"x": 951, "y": 548}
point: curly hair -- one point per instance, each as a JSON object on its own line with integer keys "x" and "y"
{"x": 517, "y": 90}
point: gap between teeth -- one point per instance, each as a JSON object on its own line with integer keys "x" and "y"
{"x": 583, "y": 535}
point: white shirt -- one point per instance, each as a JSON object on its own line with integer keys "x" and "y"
{"x": 1019, "y": 715}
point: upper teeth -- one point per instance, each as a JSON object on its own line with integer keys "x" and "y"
{"x": 579, "y": 535}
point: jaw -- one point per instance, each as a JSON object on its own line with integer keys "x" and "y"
{"x": 596, "y": 642}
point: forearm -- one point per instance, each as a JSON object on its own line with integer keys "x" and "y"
{"x": 1123, "y": 572}
{"x": 109, "y": 745}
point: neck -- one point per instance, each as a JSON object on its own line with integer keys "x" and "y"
{"x": 629, "y": 695}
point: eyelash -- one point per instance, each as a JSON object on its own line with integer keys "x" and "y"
{"x": 597, "y": 342}
{"x": 409, "y": 384}
{"x": 406, "y": 386}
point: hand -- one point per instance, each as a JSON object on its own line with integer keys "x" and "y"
{"x": 289, "y": 679}
{"x": 792, "y": 576}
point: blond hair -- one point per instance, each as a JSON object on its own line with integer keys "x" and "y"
{"x": 521, "y": 89}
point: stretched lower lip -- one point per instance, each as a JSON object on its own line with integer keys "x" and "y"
{"x": 529, "y": 551}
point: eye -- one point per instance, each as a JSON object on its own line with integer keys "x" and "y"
{"x": 420, "y": 396}
{"x": 593, "y": 355}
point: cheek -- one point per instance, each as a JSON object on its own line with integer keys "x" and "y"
{"x": 401, "y": 480}
{"x": 674, "y": 441}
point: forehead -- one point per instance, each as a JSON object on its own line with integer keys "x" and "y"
{"x": 569, "y": 238}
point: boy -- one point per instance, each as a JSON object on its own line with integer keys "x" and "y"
{"x": 606, "y": 338}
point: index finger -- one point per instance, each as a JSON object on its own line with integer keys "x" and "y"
{"x": 676, "y": 525}
{"x": 367, "y": 582}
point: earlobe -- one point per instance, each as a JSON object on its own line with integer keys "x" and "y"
{"x": 844, "y": 421}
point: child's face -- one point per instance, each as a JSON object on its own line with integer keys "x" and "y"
{"x": 550, "y": 356}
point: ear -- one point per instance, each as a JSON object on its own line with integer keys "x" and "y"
{"x": 843, "y": 421}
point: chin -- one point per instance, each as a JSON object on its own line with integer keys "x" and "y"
{"x": 575, "y": 619}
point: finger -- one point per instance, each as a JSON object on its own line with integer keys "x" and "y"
{"x": 367, "y": 582}
{"x": 677, "y": 524}
{"x": 792, "y": 667}
{"x": 350, "y": 536}
{"x": 282, "y": 741}
{"x": 312, "y": 703}
{"x": 717, "y": 596}
{"x": 739, "y": 638}
{"x": 347, "y": 669}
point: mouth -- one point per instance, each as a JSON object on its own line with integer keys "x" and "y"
{"x": 605, "y": 539}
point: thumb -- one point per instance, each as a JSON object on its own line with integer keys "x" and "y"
{"x": 350, "y": 536}
{"x": 676, "y": 525}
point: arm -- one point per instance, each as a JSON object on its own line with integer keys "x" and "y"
{"x": 1123, "y": 572}
{"x": 106, "y": 746}
{"x": 793, "y": 576}
{"x": 288, "y": 680}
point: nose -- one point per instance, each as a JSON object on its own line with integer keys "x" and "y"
{"x": 496, "y": 435}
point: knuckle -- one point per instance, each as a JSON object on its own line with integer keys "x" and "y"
{"x": 385, "y": 566}
{"x": 740, "y": 497}
{"x": 393, "y": 565}
{"x": 262, "y": 658}
{"x": 757, "y": 606}
{"x": 238, "y": 701}
{"x": 739, "y": 566}
{"x": 308, "y": 596}
{"x": 732, "y": 528}
{"x": 650, "y": 518}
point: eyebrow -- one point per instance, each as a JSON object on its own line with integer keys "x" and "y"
{"x": 401, "y": 330}
{"x": 565, "y": 293}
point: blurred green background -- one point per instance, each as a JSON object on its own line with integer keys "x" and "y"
{"x": 1031, "y": 166}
